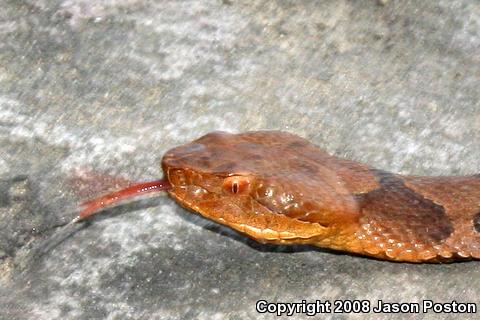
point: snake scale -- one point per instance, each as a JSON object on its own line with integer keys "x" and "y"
{"x": 276, "y": 187}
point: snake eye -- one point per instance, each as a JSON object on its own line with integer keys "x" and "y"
{"x": 236, "y": 184}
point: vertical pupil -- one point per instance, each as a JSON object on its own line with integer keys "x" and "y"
{"x": 235, "y": 187}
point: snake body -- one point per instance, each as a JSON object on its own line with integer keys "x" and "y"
{"x": 276, "y": 187}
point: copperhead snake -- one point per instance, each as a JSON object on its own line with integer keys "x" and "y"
{"x": 276, "y": 187}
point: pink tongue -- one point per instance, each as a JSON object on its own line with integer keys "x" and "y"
{"x": 90, "y": 207}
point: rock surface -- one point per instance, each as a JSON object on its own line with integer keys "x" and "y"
{"x": 108, "y": 86}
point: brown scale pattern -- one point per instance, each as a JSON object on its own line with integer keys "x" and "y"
{"x": 293, "y": 192}
{"x": 401, "y": 223}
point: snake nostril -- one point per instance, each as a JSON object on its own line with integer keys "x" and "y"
{"x": 177, "y": 177}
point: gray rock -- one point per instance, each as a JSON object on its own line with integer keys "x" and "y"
{"x": 108, "y": 86}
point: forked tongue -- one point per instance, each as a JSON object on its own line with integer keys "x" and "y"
{"x": 93, "y": 206}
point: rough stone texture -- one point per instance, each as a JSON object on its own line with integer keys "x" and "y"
{"x": 108, "y": 86}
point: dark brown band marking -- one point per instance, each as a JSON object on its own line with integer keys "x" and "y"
{"x": 476, "y": 222}
{"x": 398, "y": 209}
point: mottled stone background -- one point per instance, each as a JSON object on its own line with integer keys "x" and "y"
{"x": 103, "y": 88}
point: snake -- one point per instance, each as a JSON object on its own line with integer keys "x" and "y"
{"x": 278, "y": 188}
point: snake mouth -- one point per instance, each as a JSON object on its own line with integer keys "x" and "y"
{"x": 207, "y": 196}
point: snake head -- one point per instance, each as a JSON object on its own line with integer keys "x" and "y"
{"x": 272, "y": 186}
